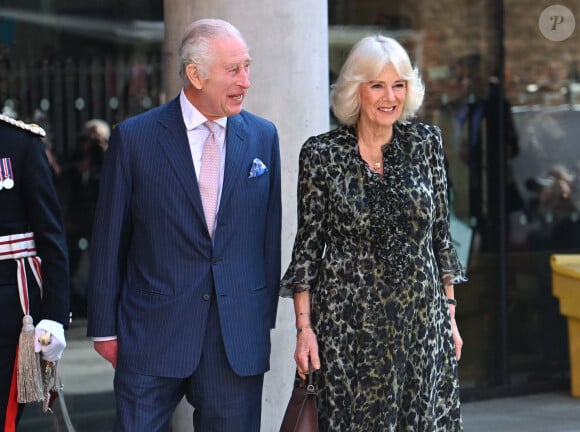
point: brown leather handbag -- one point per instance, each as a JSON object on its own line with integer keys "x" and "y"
{"x": 301, "y": 413}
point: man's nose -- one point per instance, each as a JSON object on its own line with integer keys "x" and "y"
{"x": 245, "y": 78}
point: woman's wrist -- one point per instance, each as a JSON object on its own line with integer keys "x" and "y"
{"x": 303, "y": 328}
{"x": 452, "y": 304}
{"x": 302, "y": 320}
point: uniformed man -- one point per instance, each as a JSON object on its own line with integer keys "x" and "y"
{"x": 34, "y": 278}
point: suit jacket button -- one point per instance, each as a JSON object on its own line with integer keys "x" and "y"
{"x": 206, "y": 297}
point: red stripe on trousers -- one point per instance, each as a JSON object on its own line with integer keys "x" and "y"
{"x": 12, "y": 408}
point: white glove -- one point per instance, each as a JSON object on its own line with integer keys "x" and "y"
{"x": 49, "y": 339}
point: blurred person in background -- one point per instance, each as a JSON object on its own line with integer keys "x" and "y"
{"x": 80, "y": 190}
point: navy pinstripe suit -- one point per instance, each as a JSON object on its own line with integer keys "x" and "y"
{"x": 153, "y": 265}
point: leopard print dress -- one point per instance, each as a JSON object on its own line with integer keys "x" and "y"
{"x": 373, "y": 250}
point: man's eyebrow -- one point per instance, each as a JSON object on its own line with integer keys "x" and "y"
{"x": 236, "y": 64}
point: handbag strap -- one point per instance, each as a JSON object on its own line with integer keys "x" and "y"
{"x": 310, "y": 385}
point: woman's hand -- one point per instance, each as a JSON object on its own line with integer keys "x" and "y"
{"x": 306, "y": 349}
{"x": 457, "y": 341}
{"x": 450, "y": 293}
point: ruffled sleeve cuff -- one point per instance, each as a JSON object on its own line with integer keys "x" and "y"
{"x": 297, "y": 279}
{"x": 288, "y": 291}
{"x": 450, "y": 267}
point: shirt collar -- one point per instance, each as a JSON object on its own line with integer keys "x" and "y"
{"x": 192, "y": 117}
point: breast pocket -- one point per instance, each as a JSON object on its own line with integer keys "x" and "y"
{"x": 255, "y": 193}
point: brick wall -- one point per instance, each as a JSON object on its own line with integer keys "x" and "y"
{"x": 465, "y": 32}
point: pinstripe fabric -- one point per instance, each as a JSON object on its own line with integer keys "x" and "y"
{"x": 153, "y": 265}
{"x": 223, "y": 401}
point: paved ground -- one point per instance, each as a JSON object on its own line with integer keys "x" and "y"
{"x": 545, "y": 412}
{"x": 88, "y": 383}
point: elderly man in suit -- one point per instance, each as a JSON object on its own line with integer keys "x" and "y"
{"x": 185, "y": 263}
{"x": 34, "y": 277}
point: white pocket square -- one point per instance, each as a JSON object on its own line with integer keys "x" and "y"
{"x": 258, "y": 168}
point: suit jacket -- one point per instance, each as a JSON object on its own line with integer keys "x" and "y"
{"x": 31, "y": 205}
{"x": 153, "y": 264}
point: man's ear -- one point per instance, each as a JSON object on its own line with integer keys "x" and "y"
{"x": 192, "y": 73}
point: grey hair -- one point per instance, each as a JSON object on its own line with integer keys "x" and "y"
{"x": 195, "y": 47}
{"x": 101, "y": 127}
{"x": 364, "y": 63}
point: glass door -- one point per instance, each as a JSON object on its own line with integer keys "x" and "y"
{"x": 542, "y": 81}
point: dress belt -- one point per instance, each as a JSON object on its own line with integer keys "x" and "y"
{"x": 21, "y": 248}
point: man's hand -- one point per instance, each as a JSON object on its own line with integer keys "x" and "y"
{"x": 107, "y": 350}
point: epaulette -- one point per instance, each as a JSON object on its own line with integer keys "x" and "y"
{"x": 30, "y": 127}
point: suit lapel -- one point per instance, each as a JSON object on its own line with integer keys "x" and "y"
{"x": 235, "y": 149}
{"x": 175, "y": 145}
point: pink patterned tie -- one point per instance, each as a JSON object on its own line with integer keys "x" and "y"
{"x": 209, "y": 175}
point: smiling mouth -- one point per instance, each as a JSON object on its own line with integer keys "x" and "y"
{"x": 239, "y": 97}
{"x": 390, "y": 109}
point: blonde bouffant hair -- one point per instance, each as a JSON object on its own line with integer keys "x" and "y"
{"x": 366, "y": 60}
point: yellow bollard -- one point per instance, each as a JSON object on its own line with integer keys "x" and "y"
{"x": 566, "y": 287}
